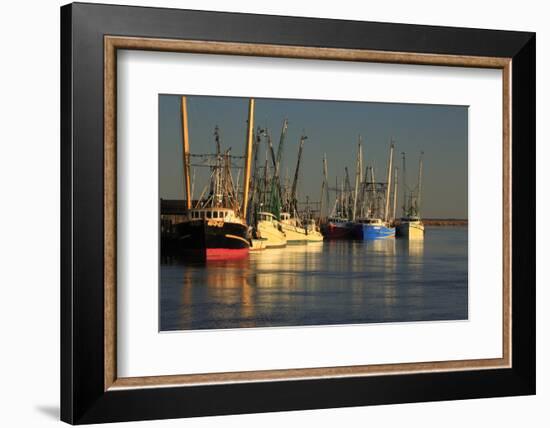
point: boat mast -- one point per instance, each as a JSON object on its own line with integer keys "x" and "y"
{"x": 193, "y": 184}
{"x": 293, "y": 200}
{"x": 390, "y": 160}
{"x": 348, "y": 194}
{"x": 395, "y": 194}
{"x": 342, "y": 203}
{"x": 373, "y": 203}
{"x": 254, "y": 186}
{"x": 266, "y": 179}
{"x": 185, "y": 135}
{"x": 272, "y": 153}
{"x": 358, "y": 169}
{"x": 280, "y": 147}
{"x": 218, "y": 191}
{"x": 249, "y": 143}
{"x": 324, "y": 189}
{"x": 337, "y": 201}
{"x": 405, "y": 210}
{"x": 419, "y": 198}
{"x": 277, "y": 161}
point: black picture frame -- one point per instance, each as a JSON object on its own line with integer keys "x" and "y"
{"x": 83, "y": 399}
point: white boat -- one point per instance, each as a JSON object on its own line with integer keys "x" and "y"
{"x": 298, "y": 234}
{"x": 313, "y": 232}
{"x": 270, "y": 230}
{"x": 295, "y": 233}
{"x": 411, "y": 228}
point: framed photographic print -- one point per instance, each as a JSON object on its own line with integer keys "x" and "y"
{"x": 265, "y": 213}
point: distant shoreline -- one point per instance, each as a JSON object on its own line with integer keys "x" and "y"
{"x": 442, "y": 222}
{"x": 445, "y": 222}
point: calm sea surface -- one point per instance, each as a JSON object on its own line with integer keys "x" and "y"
{"x": 335, "y": 282}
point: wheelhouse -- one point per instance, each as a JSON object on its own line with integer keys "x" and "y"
{"x": 225, "y": 214}
{"x": 265, "y": 216}
{"x": 337, "y": 220}
{"x": 372, "y": 221}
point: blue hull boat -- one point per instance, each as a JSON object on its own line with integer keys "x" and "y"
{"x": 373, "y": 230}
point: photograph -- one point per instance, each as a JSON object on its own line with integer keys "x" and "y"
{"x": 293, "y": 212}
{"x": 264, "y": 212}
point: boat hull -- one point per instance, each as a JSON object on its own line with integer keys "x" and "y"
{"x": 411, "y": 230}
{"x": 314, "y": 236}
{"x": 373, "y": 231}
{"x": 258, "y": 245}
{"x": 209, "y": 240}
{"x": 295, "y": 235}
{"x": 337, "y": 230}
{"x": 270, "y": 233}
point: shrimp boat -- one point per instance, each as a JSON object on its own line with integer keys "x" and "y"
{"x": 298, "y": 230}
{"x": 298, "y": 233}
{"x": 214, "y": 228}
{"x": 411, "y": 226}
{"x": 213, "y": 233}
{"x": 372, "y": 200}
{"x": 372, "y": 228}
{"x": 313, "y": 233}
{"x": 337, "y": 228}
{"x": 270, "y": 230}
{"x": 337, "y": 225}
{"x": 295, "y": 233}
{"x": 264, "y": 204}
{"x": 270, "y": 197}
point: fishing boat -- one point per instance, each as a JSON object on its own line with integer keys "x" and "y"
{"x": 410, "y": 225}
{"x": 270, "y": 230}
{"x": 337, "y": 228}
{"x": 372, "y": 200}
{"x": 338, "y": 224}
{"x": 295, "y": 233}
{"x": 411, "y": 228}
{"x": 313, "y": 233}
{"x": 265, "y": 203}
{"x": 213, "y": 233}
{"x": 215, "y": 227}
{"x": 372, "y": 228}
{"x": 298, "y": 229}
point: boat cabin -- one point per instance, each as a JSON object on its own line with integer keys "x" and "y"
{"x": 373, "y": 221}
{"x": 265, "y": 216}
{"x": 285, "y": 216}
{"x": 337, "y": 220}
{"x": 226, "y": 214}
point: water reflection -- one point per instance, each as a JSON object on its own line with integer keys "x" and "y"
{"x": 326, "y": 283}
{"x": 416, "y": 248}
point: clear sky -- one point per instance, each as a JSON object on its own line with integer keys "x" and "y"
{"x": 332, "y": 127}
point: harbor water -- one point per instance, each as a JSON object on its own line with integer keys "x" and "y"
{"x": 333, "y": 282}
